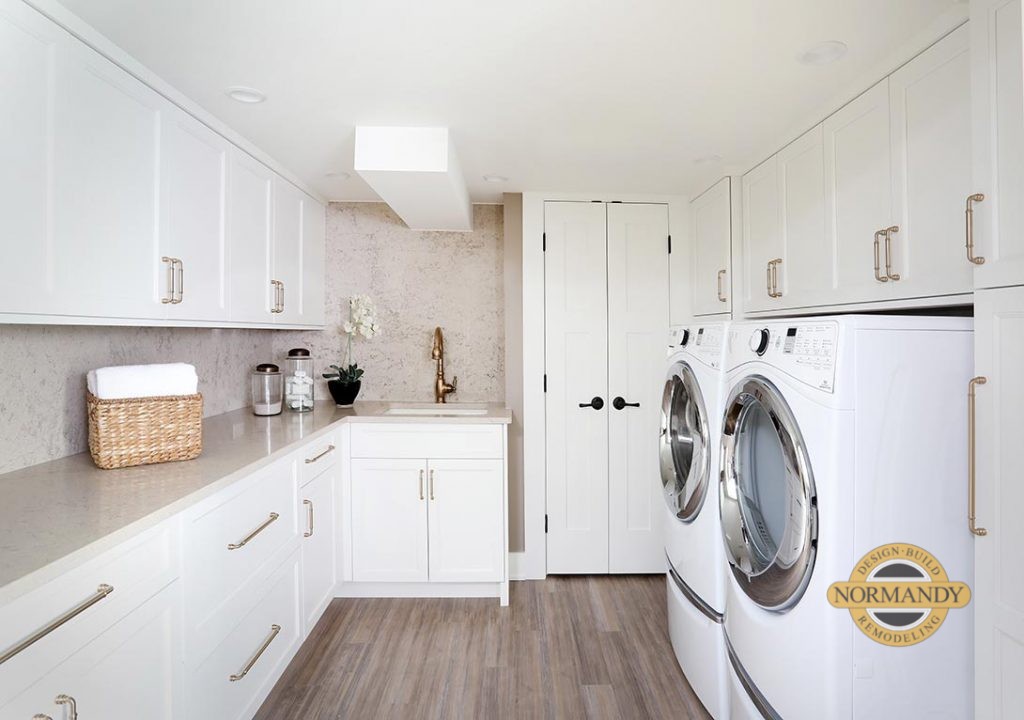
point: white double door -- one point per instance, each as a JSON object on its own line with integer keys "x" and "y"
{"x": 606, "y": 317}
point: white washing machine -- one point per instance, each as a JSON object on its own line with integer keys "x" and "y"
{"x": 691, "y": 413}
{"x": 839, "y": 435}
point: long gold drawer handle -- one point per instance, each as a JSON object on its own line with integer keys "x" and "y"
{"x": 971, "y": 477}
{"x": 878, "y": 263}
{"x": 421, "y": 485}
{"x": 888, "y": 252}
{"x": 721, "y": 297}
{"x": 70, "y": 702}
{"x": 101, "y": 592}
{"x": 274, "y": 630}
{"x": 309, "y": 518}
{"x": 969, "y": 230}
{"x": 40, "y": 716}
{"x": 263, "y": 526}
{"x": 328, "y": 451}
{"x": 431, "y": 483}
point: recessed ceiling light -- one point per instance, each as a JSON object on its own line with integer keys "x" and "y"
{"x": 337, "y": 175}
{"x": 707, "y": 159}
{"x": 822, "y": 53}
{"x": 495, "y": 178}
{"x": 247, "y": 95}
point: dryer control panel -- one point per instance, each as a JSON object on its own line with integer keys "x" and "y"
{"x": 806, "y": 351}
{"x": 706, "y": 344}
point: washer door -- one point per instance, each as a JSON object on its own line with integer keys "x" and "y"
{"x": 767, "y": 496}
{"x": 684, "y": 445}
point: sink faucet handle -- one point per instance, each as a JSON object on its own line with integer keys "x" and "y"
{"x": 455, "y": 383}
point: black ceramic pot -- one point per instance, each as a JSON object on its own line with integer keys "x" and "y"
{"x": 344, "y": 394}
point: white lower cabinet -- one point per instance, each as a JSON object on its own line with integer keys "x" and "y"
{"x": 319, "y": 544}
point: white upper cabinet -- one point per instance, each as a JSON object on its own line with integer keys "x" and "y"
{"x": 250, "y": 231}
{"x": 763, "y": 253}
{"x": 805, "y": 274}
{"x": 286, "y": 269}
{"x": 711, "y": 237}
{"x": 858, "y": 200}
{"x": 193, "y": 220}
{"x": 930, "y": 110}
{"x": 997, "y": 87}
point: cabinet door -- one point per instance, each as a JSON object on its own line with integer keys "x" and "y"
{"x": 316, "y": 517}
{"x": 130, "y": 671}
{"x": 313, "y": 262}
{"x": 711, "y": 235}
{"x": 807, "y": 266}
{"x": 997, "y": 91}
{"x": 28, "y": 51}
{"x": 576, "y": 364}
{"x": 250, "y": 216}
{"x": 105, "y": 179}
{"x": 998, "y": 595}
{"x": 287, "y": 249}
{"x": 762, "y": 241}
{"x": 193, "y": 205}
{"x": 930, "y": 102}
{"x": 858, "y": 198}
{"x": 467, "y": 520}
{"x": 389, "y": 520}
{"x": 637, "y": 321}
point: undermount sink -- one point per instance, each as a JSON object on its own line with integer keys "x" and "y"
{"x": 438, "y": 410}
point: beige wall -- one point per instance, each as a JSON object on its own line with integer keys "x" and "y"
{"x": 42, "y": 403}
{"x": 418, "y": 280}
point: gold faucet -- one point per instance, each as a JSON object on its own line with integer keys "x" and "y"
{"x": 441, "y": 387}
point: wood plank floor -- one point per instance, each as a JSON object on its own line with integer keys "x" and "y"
{"x": 566, "y": 647}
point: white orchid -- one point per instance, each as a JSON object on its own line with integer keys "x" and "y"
{"x": 361, "y": 322}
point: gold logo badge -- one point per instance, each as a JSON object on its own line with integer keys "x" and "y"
{"x": 898, "y": 594}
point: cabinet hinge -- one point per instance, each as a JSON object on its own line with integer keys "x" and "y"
{"x": 545, "y": 522}
{"x": 544, "y": 242}
{"x": 669, "y": 244}
{"x": 545, "y": 382}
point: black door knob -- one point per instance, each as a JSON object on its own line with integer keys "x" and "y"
{"x": 597, "y": 403}
{"x": 620, "y": 402}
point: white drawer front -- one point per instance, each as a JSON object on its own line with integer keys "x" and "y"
{"x": 135, "y": 570}
{"x": 263, "y": 640}
{"x": 423, "y": 440}
{"x": 317, "y": 457}
{"x": 229, "y": 541}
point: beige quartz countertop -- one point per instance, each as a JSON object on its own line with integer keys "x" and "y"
{"x": 57, "y": 515}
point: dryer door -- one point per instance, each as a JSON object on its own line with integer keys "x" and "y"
{"x": 684, "y": 444}
{"x": 767, "y": 496}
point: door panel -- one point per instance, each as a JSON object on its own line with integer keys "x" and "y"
{"x": 858, "y": 198}
{"x": 638, "y": 305}
{"x": 316, "y": 518}
{"x": 389, "y": 520}
{"x": 930, "y": 99}
{"x": 576, "y": 337}
{"x": 287, "y": 266}
{"x": 807, "y": 266}
{"x": 999, "y": 585}
{"x": 711, "y": 235}
{"x": 762, "y": 241}
{"x": 466, "y": 497}
{"x": 193, "y": 217}
{"x": 997, "y": 89}
{"x": 250, "y": 216}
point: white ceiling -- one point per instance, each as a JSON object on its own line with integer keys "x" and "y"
{"x": 618, "y": 96}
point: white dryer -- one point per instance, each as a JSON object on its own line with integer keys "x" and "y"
{"x": 840, "y": 435}
{"x": 691, "y": 412}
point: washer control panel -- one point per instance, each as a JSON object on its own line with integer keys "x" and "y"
{"x": 806, "y": 351}
{"x": 706, "y": 344}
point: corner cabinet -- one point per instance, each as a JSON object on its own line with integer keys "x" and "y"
{"x": 120, "y": 206}
{"x": 711, "y": 238}
{"x": 426, "y": 515}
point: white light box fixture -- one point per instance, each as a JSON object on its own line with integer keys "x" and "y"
{"x": 416, "y": 172}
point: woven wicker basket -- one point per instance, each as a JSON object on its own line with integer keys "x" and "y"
{"x": 142, "y": 431}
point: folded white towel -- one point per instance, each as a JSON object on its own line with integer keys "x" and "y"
{"x": 133, "y": 381}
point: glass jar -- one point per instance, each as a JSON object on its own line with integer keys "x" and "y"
{"x": 267, "y": 389}
{"x": 298, "y": 381}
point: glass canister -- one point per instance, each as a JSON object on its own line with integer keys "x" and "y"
{"x": 298, "y": 381}
{"x": 267, "y": 389}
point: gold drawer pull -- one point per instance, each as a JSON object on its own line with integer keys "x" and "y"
{"x": 969, "y": 215}
{"x": 70, "y": 702}
{"x": 888, "y": 252}
{"x": 971, "y": 452}
{"x": 274, "y": 630}
{"x": 40, "y": 716}
{"x": 309, "y": 518}
{"x": 431, "y": 483}
{"x": 421, "y": 485}
{"x": 878, "y": 265}
{"x": 721, "y": 297}
{"x": 263, "y": 526}
{"x": 328, "y": 451}
{"x": 101, "y": 592}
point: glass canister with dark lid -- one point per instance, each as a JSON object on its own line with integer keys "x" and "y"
{"x": 267, "y": 389}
